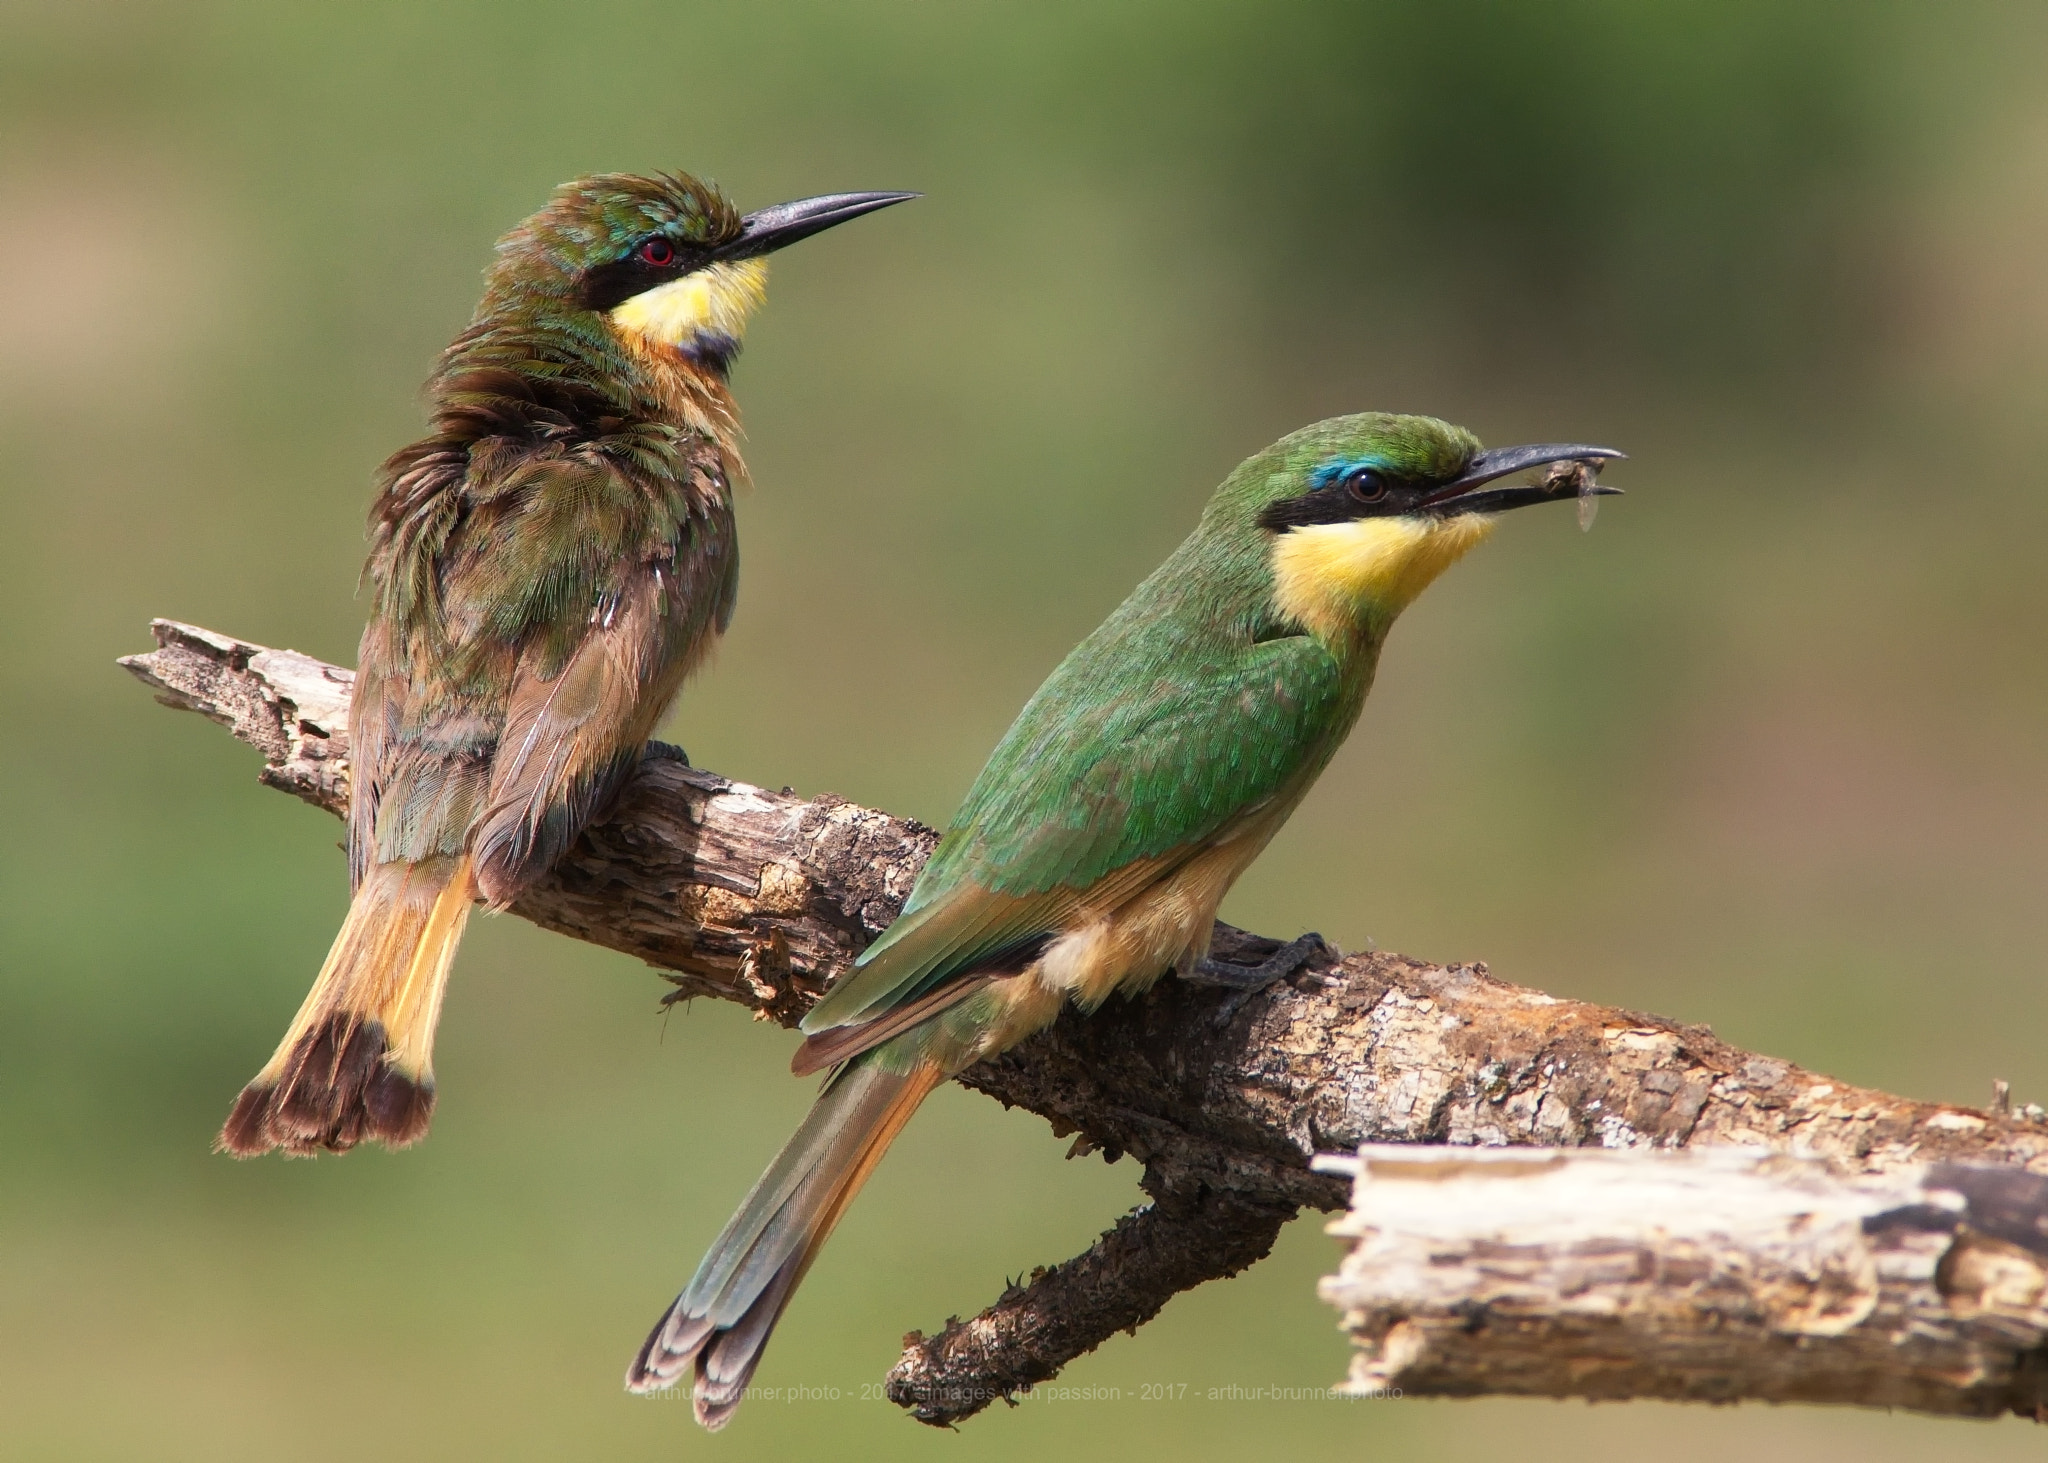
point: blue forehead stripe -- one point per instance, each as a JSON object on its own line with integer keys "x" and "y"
{"x": 1330, "y": 472}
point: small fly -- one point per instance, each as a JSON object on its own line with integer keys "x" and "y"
{"x": 1578, "y": 477}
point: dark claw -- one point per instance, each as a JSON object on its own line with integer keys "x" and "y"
{"x": 1246, "y": 981}
{"x": 1251, "y": 979}
{"x": 664, "y": 752}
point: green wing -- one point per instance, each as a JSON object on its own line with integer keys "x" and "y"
{"x": 1136, "y": 751}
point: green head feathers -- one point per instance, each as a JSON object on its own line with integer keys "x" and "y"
{"x": 1403, "y": 448}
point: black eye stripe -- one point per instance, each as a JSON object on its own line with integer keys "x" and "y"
{"x": 1358, "y": 493}
{"x": 612, "y": 283}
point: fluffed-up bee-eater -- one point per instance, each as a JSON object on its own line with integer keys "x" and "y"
{"x": 547, "y": 565}
{"x": 1093, "y": 850}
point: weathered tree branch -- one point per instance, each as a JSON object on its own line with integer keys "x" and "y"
{"x": 1710, "y": 1274}
{"x": 760, "y": 897}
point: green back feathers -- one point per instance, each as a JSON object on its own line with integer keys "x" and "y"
{"x": 1158, "y": 729}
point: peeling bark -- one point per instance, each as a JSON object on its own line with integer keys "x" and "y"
{"x": 760, "y": 897}
{"x": 1709, "y": 1274}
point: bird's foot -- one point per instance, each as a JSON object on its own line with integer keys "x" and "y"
{"x": 1245, "y": 981}
{"x": 1251, "y": 979}
{"x": 664, "y": 752}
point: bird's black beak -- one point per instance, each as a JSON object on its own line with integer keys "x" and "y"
{"x": 1469, "y": 493}
{"x": 769, "y": 229}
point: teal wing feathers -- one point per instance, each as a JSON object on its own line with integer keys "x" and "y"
{"x": 1136, "y": 751}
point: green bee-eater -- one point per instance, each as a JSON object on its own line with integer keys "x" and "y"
{"x": 1093, "y": 850}
{"x": 547, "y": 565}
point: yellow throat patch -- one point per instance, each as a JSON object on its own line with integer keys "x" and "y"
{"x": 707, "y": 307}
{"x": 1332, "y": 577}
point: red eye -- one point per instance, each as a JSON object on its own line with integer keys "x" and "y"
{"x": 658, "y": 252}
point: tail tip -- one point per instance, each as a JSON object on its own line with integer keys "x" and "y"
{"x": 646, "y": 1376}
{"x": 397, "y": 1108}
{"x": 669, "y": 1350}
{"x": 244, "y": 1134}
{"x": 714, "y": 1413}
{"x": 337, "y": 1089}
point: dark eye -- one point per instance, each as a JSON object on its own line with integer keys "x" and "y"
{"x": 1365, "y": 484}
{"x": 658, "y": 252}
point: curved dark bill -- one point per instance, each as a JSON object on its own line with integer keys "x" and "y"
{"x": 1460, "y": 495}
{"x": 769, "y": 229}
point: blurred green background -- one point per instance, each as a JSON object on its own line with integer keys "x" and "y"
{"x": 1761, "y": 751}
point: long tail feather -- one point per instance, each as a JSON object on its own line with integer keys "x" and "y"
{"x": 722, "y": 1321}
{"x": 357, "y": 1062}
